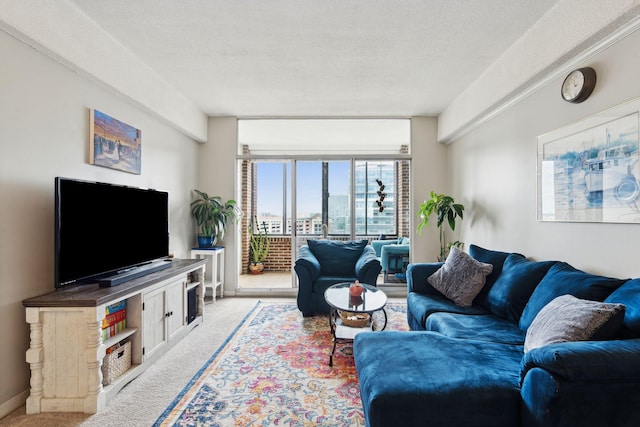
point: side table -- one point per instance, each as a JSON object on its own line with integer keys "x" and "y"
{"x": 339, "y": 300}
{"x": 214, "y": 277}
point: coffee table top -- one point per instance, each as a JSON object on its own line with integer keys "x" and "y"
{"x": 372, "y": 299}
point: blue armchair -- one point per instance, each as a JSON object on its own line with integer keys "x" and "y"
{"x": 322, "y": 263}
{"x": 391, "y": 254}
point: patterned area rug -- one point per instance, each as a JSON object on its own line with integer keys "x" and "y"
{"x": 274, "y": 370}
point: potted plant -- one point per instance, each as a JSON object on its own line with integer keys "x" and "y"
{"x": 446, "y": 209}
{"x": 212, "y": 216}
{"x": 259, "y": 246}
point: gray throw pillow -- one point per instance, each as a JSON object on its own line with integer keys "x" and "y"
{"x": 567, "y": 318}
{"x": 460, "y": 278}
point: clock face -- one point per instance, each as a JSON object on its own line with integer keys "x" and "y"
{"x": 578, "y": 85}
{"x": 572, "y": 85}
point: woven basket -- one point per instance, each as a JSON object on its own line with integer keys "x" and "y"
{"x": 116, "y": 363}
{"x": 355, "y": 320}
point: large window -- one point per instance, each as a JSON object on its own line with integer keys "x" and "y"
{"x": 272, "y": 204}
{"x": 375, "y": 198}
{"x": 324, "y": 196}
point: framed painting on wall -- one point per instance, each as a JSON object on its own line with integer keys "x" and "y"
{"x": 114, "y": 144}
{"x": 588, "y": 171}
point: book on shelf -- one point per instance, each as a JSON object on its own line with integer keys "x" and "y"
{"x": 114, "y": 329}
{"x": 113, "y": 318}
{"x": 120, "y": 305}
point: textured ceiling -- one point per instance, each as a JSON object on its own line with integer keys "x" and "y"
{"x": 330, "y": 58}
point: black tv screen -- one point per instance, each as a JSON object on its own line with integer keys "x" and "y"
{"x": 102, "y": 229}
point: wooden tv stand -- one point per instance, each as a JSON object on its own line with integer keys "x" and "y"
{"x": 67, "y": 349}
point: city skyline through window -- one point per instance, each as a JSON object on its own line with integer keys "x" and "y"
{"x": 329, "y": 197}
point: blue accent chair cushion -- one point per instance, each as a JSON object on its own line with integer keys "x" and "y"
{"x": 335, "y": 257}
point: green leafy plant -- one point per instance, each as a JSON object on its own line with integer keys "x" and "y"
{"x": 447, "y": 210}
{"x": 213, "y": 215}
{"x": 259, "y": 241}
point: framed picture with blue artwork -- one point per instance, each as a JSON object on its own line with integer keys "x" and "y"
{"x": 114, "y": 144}
{"x": 588, "y": 171}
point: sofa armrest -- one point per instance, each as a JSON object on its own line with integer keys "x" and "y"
{"x": 612, "y": 360}
{"x": 589, "y": 383}
{"x": 307, "y": 264}
{"x": 368, "y": 266}
{"x": 394, "y": 248}
{"x": 379, "y": 244}
{"x": 417, "y": 275}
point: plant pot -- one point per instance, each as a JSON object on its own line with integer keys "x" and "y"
{"x": 206, "y": 241}
{"x": 256, "y": 267}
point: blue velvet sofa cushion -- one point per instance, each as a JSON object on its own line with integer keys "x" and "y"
{"x": 421, "y": 306}
{"x": 512, "y": 289}
{"x": 629, "y": 295}
{"x": 487, "y": 327}
{"x": 562, "y": 279}
{"x": 496, "y": 259}
{"x": 417, "y": 275}
{"x": 437, "y": 381}
{"x": 337, "y": 258}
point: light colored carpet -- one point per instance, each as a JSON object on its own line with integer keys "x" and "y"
{"x": 143, "y": 400}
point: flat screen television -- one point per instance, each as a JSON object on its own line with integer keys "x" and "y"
{"x": 104, "y": 230}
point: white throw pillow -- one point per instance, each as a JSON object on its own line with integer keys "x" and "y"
{"x": 460, "y": 278}
{"x": 567, "y": 318}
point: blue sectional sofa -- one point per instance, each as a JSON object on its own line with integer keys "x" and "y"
{"x": 467, "y": 365}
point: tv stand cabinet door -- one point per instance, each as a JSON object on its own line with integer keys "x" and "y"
{"x": 175, "y": 296}
{"x": 153, "y": 322}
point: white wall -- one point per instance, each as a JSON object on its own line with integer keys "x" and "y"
{"x": 44, "y": 132}
{"x": 492, "y": 170}
{"x": 217, "y": 175}
{"x": 67, "y": 34}
{"x": 428, "y": 174}
{"x": 549, "y": 48}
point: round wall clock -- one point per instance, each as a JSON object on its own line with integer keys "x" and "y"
{"x": 578, "y": 85}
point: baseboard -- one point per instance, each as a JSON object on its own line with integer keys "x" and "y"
{"x": 14, "y": 403}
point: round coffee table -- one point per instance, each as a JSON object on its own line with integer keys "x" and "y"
{"x": 339, "y": 299}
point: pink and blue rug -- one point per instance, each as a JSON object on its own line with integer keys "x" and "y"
{"x": 273, "y": 370}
